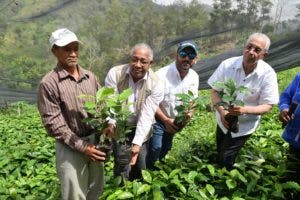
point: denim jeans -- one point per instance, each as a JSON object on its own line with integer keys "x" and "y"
{"x": 160, "y": 144}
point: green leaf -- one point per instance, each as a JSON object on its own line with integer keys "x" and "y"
{"x": 238, "y": 103}
{"x": 90, "y": 105}
{"x": 230, "y": 183}
{"x": 202, "y": 193}
{"x": 219, "y": 85}
{"x": 211, "y": 169}
{"x": 237, "y": 174}
{"x": 143, "y": 188}
{"x": 135, "y": 187}
{"x": 179, "y": 185}
{"x": 103, "y": 93}
{"x": 158, "y": 194}
{"x": 146, "y": 176}
{"x": 191, "y": 176}
{"x": 190, "y": 93}
{"x": 251, "y": 185}
{"x": 174, "y": 172}
{"x": 238, "y": 198}
{"x": 291, "y": 185}
{"x": 124, "y": 95}
{"x": 114, "y": 195}
{"x": 164, "y": 174}
{"x": 210, "y": 189}
{"x": 125, "y": 195}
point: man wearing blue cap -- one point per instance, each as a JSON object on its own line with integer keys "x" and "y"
{"x": 78, "y": 163}
{"x": 177, "y": 77}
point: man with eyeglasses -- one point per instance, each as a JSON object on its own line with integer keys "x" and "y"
{"x": 251, "y": 71}
{"x": 147, "y": 94}
{"x": 177, "y": 77}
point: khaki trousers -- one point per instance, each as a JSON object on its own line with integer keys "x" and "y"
{"x": 80, "y": 178}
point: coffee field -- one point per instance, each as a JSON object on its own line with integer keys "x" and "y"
{"x": 262, "y": 171}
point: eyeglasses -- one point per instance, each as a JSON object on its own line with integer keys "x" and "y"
{"x": 183, "y": 54}
{"x": 256, "y": 49}
{"x": 135, "y": 60}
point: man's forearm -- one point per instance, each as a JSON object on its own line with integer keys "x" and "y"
{"x": 215, "y": 99}
{"x": 161, "y": 115}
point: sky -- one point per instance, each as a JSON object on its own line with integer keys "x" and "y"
{"x": 289, "y": 10}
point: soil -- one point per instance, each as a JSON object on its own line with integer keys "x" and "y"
{"x": 233, "y": 123}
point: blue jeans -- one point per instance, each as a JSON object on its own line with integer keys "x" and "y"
{"x": 160, "y": 144}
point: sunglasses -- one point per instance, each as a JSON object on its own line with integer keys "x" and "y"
{"x": 183, "y": 54}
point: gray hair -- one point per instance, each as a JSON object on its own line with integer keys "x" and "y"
{"x": 261, "y": 35}
{"x": 143, "y": 46}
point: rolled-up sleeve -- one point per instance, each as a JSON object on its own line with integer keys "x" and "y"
{"x": 218, "y": 75}
{"x": 146, "y": 118}
{"x": 53, "y": 119}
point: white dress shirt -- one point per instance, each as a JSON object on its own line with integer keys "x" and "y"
{"x": 146, "y": 118}
{"x": 173, "y": 85}
{"x": 262, "y": 83}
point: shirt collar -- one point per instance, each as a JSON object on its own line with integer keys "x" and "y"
{"x": 258, "y": 69}
{"x": 63, "y": 74}
{"x": 175, "y": 70}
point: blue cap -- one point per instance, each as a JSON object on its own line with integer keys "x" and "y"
{"x": 185, "y": 44}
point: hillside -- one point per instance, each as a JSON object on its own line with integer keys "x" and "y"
{"x": 108, "y": 29}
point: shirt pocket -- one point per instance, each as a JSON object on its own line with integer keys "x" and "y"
{"x": 252, "y": 96}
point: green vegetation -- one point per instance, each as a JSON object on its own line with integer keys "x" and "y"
{"x": 189, "y": 171}
{"x": 229, "y": 92}
{"x": 109, "y": 105}
{"x": 27, "y": 166}
{"x": 108, "y": 28}
{"x": 187, "y": 104}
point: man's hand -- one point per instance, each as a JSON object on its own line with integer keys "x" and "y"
{"x": 109, "y": 130}
{"x": 222, "y": 113}
{"x": 237, "y": 110}
{"x": 170, "y": 126}
{"x": 188, "y": 117}
{"x": 284, "y": 116}
{"x": 134, "y": 154}
{"x": 94, "y": 154}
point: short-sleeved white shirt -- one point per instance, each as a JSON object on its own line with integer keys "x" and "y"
{"x": 262, "y": 83}
{"x": 173, "y": 85}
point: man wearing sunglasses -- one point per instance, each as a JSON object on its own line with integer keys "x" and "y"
{"x": 177, "y": 77}
{"x": 251, "y": 71}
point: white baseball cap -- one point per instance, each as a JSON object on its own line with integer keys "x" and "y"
{"x": 62, "y": 37}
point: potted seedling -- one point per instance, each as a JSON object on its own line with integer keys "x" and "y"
{"x": 186, "y": 104}
{"x": 107, "y": 104}
{"x": 228, "y": 92}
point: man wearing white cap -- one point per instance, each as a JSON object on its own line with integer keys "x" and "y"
{"x": 79, "y": 164}
{"x": 177, "y": 77}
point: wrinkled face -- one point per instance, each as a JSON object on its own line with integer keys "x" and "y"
{"x": 140, "y": 63}
{"x": 67, "y": 56}
{"x": 254, "y": 51}
{"x": 185, "y": 59}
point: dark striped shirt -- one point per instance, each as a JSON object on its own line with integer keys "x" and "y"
{"x": 62, "y": 110}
